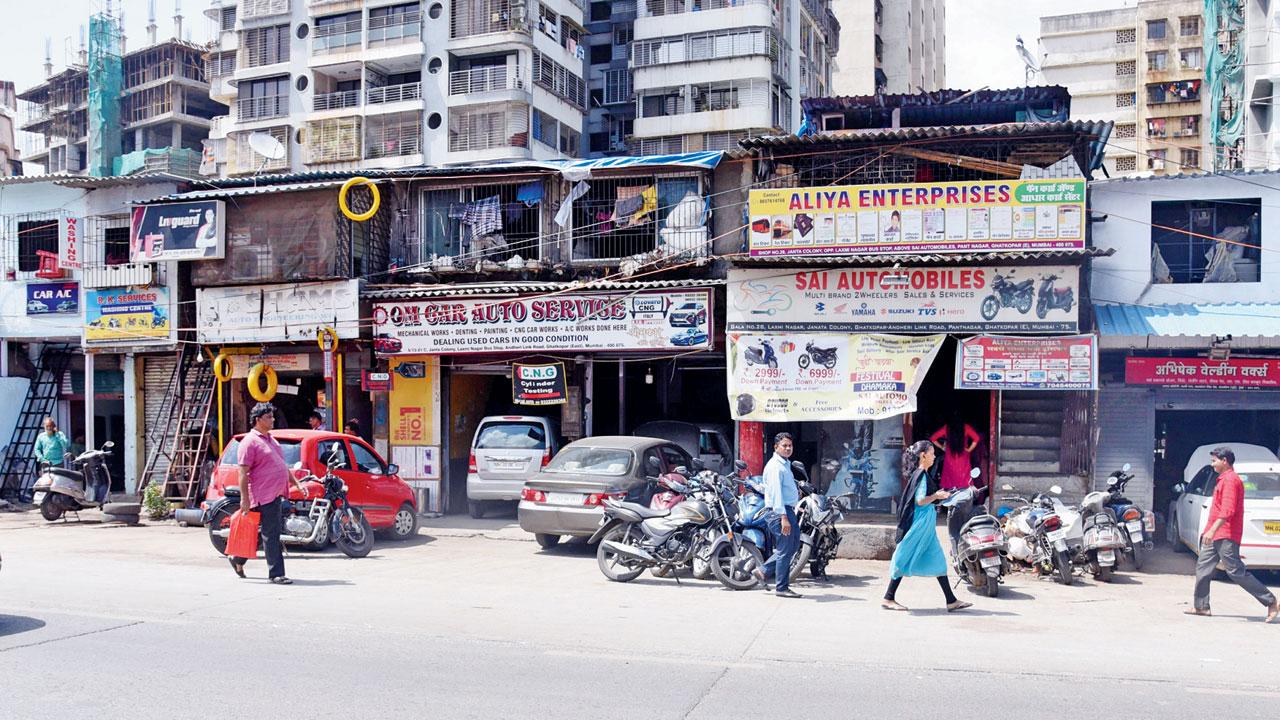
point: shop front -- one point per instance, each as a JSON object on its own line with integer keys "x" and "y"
{"x": 592, "y": 362}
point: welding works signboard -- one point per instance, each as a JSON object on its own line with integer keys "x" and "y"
{"x": 570, "y": 322}
{"x": 1039, "y": 299}
{"x": 981, "y": 216}
{"x": 178, "y": 231}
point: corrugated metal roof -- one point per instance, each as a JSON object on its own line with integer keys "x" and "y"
{"x": 854, "y": 137}
{"x": 92, "y": 182}
{"x": 1162, "y": 325}
{"x": 241, "y": 191}
{"x": 925, "y": 259}
{"x": 937, "y": 98}
{"x": 1144, "y": 177}
{"x": 404, "y": 292}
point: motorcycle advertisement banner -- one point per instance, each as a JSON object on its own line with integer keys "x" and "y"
{"x": 981, "y": 216}
{"x": 862, "y": 458}
{"x": 1039, "y": 299}
{"x": 128, "y": 315}
{"x": 806, "y": 377}
{"x": 990, "y": 362}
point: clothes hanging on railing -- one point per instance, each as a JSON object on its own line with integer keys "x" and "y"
{"x": 484, "y": 216}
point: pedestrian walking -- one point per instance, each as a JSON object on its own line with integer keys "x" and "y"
{"x": 918, "y": 552}
{"x": 780, "y": 498}
{"x": 51, "y": 445}
{"x": 1220, "y": 542}
{"x": 264, "y": 485}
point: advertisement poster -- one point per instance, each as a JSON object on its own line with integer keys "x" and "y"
{"x": 538, "y": 384}
{"x": 126, "y": 315}
{"x": 803, "y": 377}
{"x": 178, "y": 231}
{"x": 989, "y": 362}
{"x": 414, "y": 401}
{"x": 70, "y": 243}
{"x": 1198, "y": 372}
{"x": 658, "y": 320}
{"x": 277, "y": 312}
{"x": 1040, "y": 299}
{"x": 45, "y": 298}
{"x": 863, "y": 460}
{"x": 978, "y": 216}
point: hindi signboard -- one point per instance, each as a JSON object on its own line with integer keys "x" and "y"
{"x": 1196, "y": 372}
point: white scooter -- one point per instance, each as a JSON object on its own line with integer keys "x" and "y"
{"x": 59, "y": 491}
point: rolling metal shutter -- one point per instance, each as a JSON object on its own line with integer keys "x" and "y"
{"x": 157, "y": 371}
{"x": 1126, "y": 434}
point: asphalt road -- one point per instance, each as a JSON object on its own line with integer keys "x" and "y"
{"x": 105, "y": 621}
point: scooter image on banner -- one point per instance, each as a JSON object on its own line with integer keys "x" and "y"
{"x": 761, "y": 354}
{"x": 825, "y": 357}
{"x": 1051, "y": 298}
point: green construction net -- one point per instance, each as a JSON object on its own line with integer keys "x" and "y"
{"x": 106, "y": 80}
{"x": 1224, "y": 74}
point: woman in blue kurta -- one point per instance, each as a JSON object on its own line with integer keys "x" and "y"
{"x": 918, "y": 553}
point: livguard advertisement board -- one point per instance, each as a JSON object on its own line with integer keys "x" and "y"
{"x": 178, "y": 231}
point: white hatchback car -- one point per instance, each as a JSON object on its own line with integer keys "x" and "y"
{"x": 1259, "y": 469}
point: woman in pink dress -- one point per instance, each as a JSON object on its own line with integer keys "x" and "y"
{"x": 957, "y": 441}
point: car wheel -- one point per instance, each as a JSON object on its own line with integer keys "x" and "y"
{"x": 475, "y": 508}
{"x": 1171, "y": 535}
{"x": 545, "y": 541}
{"x": 405, "y": 525}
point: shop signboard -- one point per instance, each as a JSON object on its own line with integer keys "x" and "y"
{"x": 280, "y": 362}
{"x": 992, "y": 362}
{"x": 788, "y": 377}
{"x": 375, "y": 381}
{"x": 1198, "y": 372}
{"x": 44, "y": 298}
{"x": 178, "y": 231}
{"x": 976, "y": 216}
{"x": 566, "y": 322}
{"x": 277, "y": 313}
{"x": 70, "y": 242}
{"x": 538, "y": 384}
{"x": 1026, "y": 299}
{"x": 126, "y": 315}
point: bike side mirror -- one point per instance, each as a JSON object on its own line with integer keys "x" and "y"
{"x": 1055, "y": 489}
{"x": 739, "y": 465}
{"x": 108, "y": 445}
{"x": 1126, "y": 467}
{"x": 974, "y": 473}
{"x": 682, "y": 470}
{"x": 1006, "y": 487}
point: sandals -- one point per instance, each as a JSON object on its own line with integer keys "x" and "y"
{"x": 892, "y": 605}
{"x": 959, "y": 605}
{"x": 1194, "y": 611}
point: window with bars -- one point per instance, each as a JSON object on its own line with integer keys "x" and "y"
{"x": 1126, "y": 36}
{"x": 1191, "y": 59}
{"x": 262, "y": 99}
{"x": 1189, "y": 26}
{"x": 1157, "y": 61}
{"x": 1126, "y": 100}
{"x": 264, "y": 46}
{"x": 393, "y": 135}
{"x": 705, "y": 46}
{"x": 1126, "y": 130}
{"x": 1156, "y": 158}
{"x": 227, "y": 19}
{"x": 486, "y": 127}
{"x": 333, "y": 140}
{"x": 36, "y": 236}
{"x": 559, "y": 80}
{"x": 1190, "y": 159}
{"x": 264, "y": 8}
{"x": 115, "y": 245}
{"x": 1126, "y": 163}
{"x": 241, "y": 158}
{"x": 1128, "y": 68}
{"x": 1157, "y": 29}
{"x": 617, "y": 87}
{"x": 220, "y": 65}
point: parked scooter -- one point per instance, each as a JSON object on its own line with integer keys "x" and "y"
{"x": 1137, "y": 527}
{"x": 59, "y": 491}
{"x": 1043, "y": 532}
{"x": 825, "y": 357}
{"x": 1102, "y": 541}
{"x": 761, "y": 354}
{"x": 858, "y": 472}
{"x": 1007, "y": 293}
{"x": 752, "y": 522}
{"x": 1051, "y": 298}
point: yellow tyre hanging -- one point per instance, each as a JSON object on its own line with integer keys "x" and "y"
{"x": 222, "y": 367}
{"x": 342, "y": 199}
{"x": 256, "y": 375}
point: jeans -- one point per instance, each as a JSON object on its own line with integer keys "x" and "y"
{"x": 1228, "y": 553}
{"x": 784, "y": 549}
{"x": 269, "y": 531}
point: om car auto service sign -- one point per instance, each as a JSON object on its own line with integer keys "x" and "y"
{"x": 618, "y": 321}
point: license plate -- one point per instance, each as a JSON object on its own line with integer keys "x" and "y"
{"x": 1057, "y": 535}
{"x": 1135, "y": 526}
{"x": 554, "y": 498}
{"x": 1107, "y": 557}
{"x": 1271, "y": 527}
{"x": 494, "y": 464}
{"x": 990, "y": 562}
{"x": 39, "y": 498}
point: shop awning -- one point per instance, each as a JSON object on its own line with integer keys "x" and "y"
{"x": 400, "y": 292}
{"x": 917, "y": 259}
{"x": 259, "y": 190}
{"x": 1187, "y": 325}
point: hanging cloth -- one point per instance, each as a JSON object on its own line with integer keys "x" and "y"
{"x": 530, "y": 193}
{"x": 484, "y": 216}
{"x": 566, "y": 207}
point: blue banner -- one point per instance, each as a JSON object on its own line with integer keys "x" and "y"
{"x": 44, "y": 298}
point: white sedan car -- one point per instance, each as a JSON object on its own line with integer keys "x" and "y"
{"x": 1259, "y": 469}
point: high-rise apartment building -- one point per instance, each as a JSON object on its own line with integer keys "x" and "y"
{"x": 707, "y": 73}
{"x": 613, "y": 102}
{"x": 345, "y": 84}
{"x": 895, "y": 47}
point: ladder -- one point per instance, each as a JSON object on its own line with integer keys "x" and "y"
{"x": 18, "y": 467}
{"x": 179, "y": 453}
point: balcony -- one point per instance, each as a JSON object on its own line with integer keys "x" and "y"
{"x": 489, "y": 127}
{"x": 337, "y": 100}
{"x": 395, "y": 29}
{"x": 337, "y": 37}
{"x": 484, "y": 17}
{"x": 394, "y": 93}
{"x": 658, "y": 8}
{"x": 241, "y": 159}
{"x": 333, "y": 140}
{"x": 253, "y": 9}
{"x": 393, "y": 136}
{"x": 484, "y": 79}
{"x": 262, "y": 108}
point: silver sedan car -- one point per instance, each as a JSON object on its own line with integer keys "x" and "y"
{"x": 565, "y": 498}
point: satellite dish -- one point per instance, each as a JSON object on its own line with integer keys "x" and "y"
{"x": 266, "y": 146}
{"x": 1029, "y": 60}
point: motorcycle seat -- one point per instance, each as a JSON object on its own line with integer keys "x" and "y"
{"x": 979, "y": 521}
{"x": 644, "y": 512}
{"x": 69, "y": 474}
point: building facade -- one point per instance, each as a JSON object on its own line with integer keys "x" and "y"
{"x": 890, "y": 46}
{"x": 374, "y": 84}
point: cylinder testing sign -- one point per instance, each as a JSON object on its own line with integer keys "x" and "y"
{"x": 538, "y": 384}
{"x": 981, "y": 216}
{"x": 993, "y": 362}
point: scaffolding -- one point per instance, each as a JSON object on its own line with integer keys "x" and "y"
{"x": 106, "y": 81}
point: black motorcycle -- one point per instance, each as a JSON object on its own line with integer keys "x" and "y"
{"x": 825, "y": 357}
{"x": 1007, "y": 293}
{"x": 1051, "y": 298}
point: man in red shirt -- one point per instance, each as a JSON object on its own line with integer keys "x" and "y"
{"x": 1220, "y": 542}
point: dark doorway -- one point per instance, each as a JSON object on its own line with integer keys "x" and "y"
{"x": 1180, "y": 432}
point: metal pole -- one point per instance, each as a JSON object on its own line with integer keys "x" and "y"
{"x": 622, "y": 397}
{"x": 89, "y": 440}
{"x": 589, "y": 378}
{"x": 132, "y": 426}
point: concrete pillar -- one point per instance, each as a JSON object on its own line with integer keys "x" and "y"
{"x": 134, "y": 423}
{"x": 175, "y": 134}
{"x": 588, "y": 384}
{"x": 89, "y": 440}
{"x": 4, "y": 358}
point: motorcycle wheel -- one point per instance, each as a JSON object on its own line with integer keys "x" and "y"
{"x": 355, "y": 534}
{"x": 993, "y": 585}
{"x": 50, "y": 508}
{"x": 611, "y": 564}
{"x": 773, "y": 364}
{"x": 1139, "y": 556}
{"x": 1024, "y": 304}
{"x": 1104, "y": 573}
{"x": 1042, "y": 309}
{"x": 221, "y": 520}
{"x": 701, "y": 568}
{"x": 803, "y": 361}
{"x": 990, "y": 306}
{"x": 800, "y": 560}
{"x": 736, "y": 571}
{"x": 1062, "y": 568}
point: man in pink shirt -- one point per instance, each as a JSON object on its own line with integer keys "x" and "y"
{"x": 264, "y": 487}
{"x": 1220, "y": 542}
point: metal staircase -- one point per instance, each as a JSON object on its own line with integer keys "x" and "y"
{"x": 18, "y": 467}
{"x": 180, "y": 443}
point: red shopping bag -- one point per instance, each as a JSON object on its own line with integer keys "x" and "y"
{"x": 243, "y": 541}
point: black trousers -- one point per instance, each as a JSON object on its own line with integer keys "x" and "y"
{"x": 269, "y": 531}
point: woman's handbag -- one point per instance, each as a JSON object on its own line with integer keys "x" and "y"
{"x": 243, "y": 541}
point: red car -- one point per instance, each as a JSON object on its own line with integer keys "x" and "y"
{"x": 372, "y": 484}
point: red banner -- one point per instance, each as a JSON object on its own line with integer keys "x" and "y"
{"x": 997, "y": 362}
{"x": 1230, "y": 374}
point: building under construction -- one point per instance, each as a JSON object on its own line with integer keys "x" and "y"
{"x": 158, "y": 97}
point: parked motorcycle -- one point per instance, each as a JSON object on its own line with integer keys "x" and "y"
{"x": 1043, "y": 535}
{"x": 1007, "y": 293}
{"x": 1102, "y": 541}
{"x": 313, "y": 518}
{"x": 816, "y": 517}
{"x": 1138, "y": 527}
{"x": 761, "y": 354}
{"x": 88, "y": 485}
{"x": 1051, "y": 298}
{"x": 825, "y": 357}
{"x": 857, "y": 472}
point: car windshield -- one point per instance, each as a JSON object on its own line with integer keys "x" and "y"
{"x": 1261, "y": 485}
{"x": 591, "y": 461}
{"x": 512, "y": 436}
{"x": 689, "y": 306}
{"x": 292, "y": 451}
